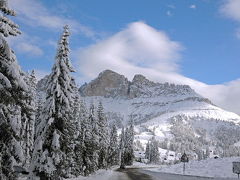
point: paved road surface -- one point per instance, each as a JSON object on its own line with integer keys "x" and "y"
{"x": 135, "y": 174}
{"x": 143, "y": 174}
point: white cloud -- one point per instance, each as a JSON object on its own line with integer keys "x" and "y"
{"x": 33, "y": 13}
{"x": 193, "y": 6}
{"x": 226, "y": 95}
{"x": 139, "y": 46}
{"x": 142, "y": 49}
{"x": 30, "y": 49}
{"x": 231, "y": 8}
{"x": 25, "y": 44}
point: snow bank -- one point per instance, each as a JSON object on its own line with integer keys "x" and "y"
{"x": 103, "y": 175}
{"x": 221, "y": 168}
{"x": 143, "y": 165}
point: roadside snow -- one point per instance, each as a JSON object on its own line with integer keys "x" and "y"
{"x": 221, "y": 168}
{"x": 143, "y": 165}
{"x": 103, "y": 175}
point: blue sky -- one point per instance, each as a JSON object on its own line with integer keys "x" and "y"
{"x": 201, "y": 38}
{"x": 211, "y": 50}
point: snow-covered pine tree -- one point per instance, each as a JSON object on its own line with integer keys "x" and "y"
{"x": 103, "y": 133}
{"x": 39, "y": 108}
{"x": 122, "y": 149}
{"x": 28, "y": 118}
{"x": 40, "y": 99}
{"x": 80, "y": 148}
{"x": 53, "y": 146}
{"x": 90, "y": 143}
{"x": 147, "y": 151}
{"x": 95, "y": 136}
{"x": 79, "y": 113}
{"x": 7, "y": 27}
{"x": 13, "y": 90}
{"x": 129, "y": 140}
{"x": 73, "y": 125}
{"x": 113, "y": 157}
{"x": 152, "y": 151}
{"x": 86, "y": 146}
{"x": 126, "y": 147}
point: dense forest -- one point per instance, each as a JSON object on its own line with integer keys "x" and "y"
{"x": 58, "y": 136}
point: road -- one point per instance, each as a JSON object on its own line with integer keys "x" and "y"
{"x": 135, "y": 173}
{"x": 144, "y": 174}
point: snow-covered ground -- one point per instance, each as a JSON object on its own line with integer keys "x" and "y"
{"x": 101, "y": 174}
{"x": 143, "y": 165}
{"x": 110, "y": 174}
{"x": 217, "y": 168}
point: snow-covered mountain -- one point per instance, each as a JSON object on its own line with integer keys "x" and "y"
{"x": 159, "y": 109}
{"x": 174, "y": 114}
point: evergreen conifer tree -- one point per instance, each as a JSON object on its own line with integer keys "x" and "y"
{"x": 147, "y": 152}
{"x": 103, "y": 133}
{"x": 122, "y": 149}
{"x": 80, "y": 148}
{"x": 13, "y": 90}
{"x": 53, "y": 147}
{"x": 28, "y": 118}
{"x": 152, "y": 152}
{"x": 113, "y": 157}
{"x": 94, "y": 138}
{"x": 90, "y": 143}
{"x": 129, "y": 140}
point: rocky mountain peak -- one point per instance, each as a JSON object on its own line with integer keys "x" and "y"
{"x": 111, "y": 84}
{"x": 108, "y": 73}
{"x": 107, "y": 84}
{"x": 139, "y": 79}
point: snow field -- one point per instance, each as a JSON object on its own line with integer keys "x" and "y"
{"x": 216, "y": 168}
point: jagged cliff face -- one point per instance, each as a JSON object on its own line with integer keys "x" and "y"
{"x": 110, "y": 84}
{"x": 142, "y": 87}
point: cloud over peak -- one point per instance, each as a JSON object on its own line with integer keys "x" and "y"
{"x": 141, "y": 49}
{"x": 139, "y": 46}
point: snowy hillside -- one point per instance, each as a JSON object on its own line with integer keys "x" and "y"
{"x": 156, "y": 108}
{"x": 143, "y": 100}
